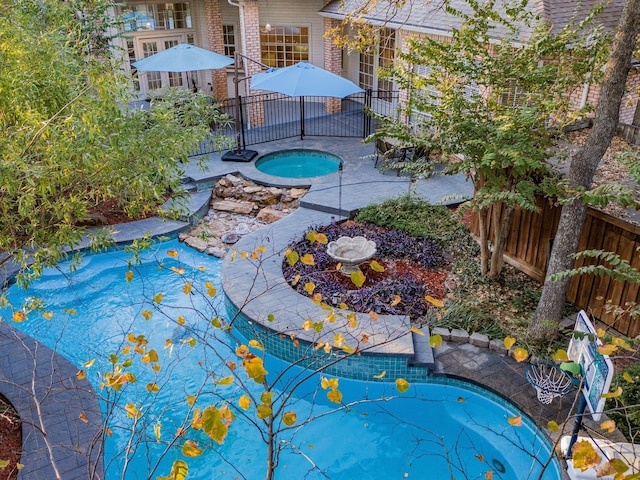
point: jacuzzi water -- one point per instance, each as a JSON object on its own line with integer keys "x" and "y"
{"x": 298, "y": 163}
{"x": 432, "y": 431}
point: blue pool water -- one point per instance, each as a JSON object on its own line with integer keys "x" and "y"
{"x": 298, "y": 163}
{"x": 432, "y": 431}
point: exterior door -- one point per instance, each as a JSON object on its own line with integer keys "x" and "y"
{"x": 156, "y": 81}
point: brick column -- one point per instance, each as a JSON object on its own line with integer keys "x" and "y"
{"x": 332, "y": 63}
{"x": 250, "y": 22}
{"x": 215, "y": 39}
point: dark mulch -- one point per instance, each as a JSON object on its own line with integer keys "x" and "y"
{"x": 10, "y": 440}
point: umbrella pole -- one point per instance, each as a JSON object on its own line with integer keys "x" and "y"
{"x": 301, "y": 118}
{"x": 239, "y": 155}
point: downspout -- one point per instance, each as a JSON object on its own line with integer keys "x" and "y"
{"x": 585, "y": 94}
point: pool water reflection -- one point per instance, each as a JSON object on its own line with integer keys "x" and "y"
{"x": 431, "y": 431}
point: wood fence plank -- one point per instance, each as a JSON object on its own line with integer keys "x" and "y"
{"x": 600, "y": 292}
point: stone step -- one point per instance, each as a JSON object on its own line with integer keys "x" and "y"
{"x": 423, "y": 352}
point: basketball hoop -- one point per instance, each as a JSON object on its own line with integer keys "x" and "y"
{"x": 549, "y": 381}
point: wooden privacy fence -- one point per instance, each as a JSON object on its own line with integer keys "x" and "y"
{"x": 529, "y": 245}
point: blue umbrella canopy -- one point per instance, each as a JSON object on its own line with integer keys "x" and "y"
{"x": 304, "y": 79}
{"x": 182, "y": 58}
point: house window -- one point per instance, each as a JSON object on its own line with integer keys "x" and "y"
{"x": 229, "y": 35}
{"x": 160, "y": 16}
{"x": 380, "y": 57}
{"x": 284, "y": 46}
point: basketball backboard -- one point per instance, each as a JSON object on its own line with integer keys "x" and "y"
{"x": 597, "y": 368}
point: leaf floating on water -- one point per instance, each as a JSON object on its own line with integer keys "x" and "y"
{"x": 172, "y": 253}
{"x": 179, "y": 471}
{"x": 402, "y": 385}
{"x": 380, "y": 375}
{"x": 515, "y": 421}
{"x": 191, "y": 449}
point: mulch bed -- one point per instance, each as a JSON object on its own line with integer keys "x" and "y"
{"x": 10, "y": 439}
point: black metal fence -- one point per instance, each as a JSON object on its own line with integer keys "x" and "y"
{"x": 268, "y": 117}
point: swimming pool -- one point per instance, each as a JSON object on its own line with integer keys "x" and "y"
{"x": 431, "y": 431}
{"x": 298, "y": 163}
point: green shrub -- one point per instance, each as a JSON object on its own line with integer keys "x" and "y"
{"x": 626, "y": 408}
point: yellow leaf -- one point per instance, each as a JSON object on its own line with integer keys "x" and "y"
{"x": 81, "y": 374}
{"x": 132, "y": 410}
{"x": 187, "y": 288}
{"x": 191, "y": 449}
{"x": 327, "y": 348}
{"x": 607, "y": 349}
{"x": 560, "y": 356}
{"x": 83, "y": 417}
{"x": 309, "y": 287}
{"x": 515, "y": 421}
{"x": 147, "y": 314}
{"x": 317, "y": 298}
{"x": 180, "y": 320}
{"x": 348, "y": 349}
{"x": 244, "y": 402}
{"x": 435, "y": 341}
{"x": 353, "y": 319}
{"x": 615, "y": 466}
{"x": 436, "y": 302}
{"x": 292, "y": 257}
{"x": 373, "y": 315}
{"x": 311, "y": 236}
{"x": 608, "y": 425}
{"x": 614, "y": 394}
{"x": 289, "y": 418}
{"x": 376, "y": 267}
{"x": 179, "y": 271}
{"x": 627, "y": 376}
{"x": 331, "y": 383}
{"x": 296, "y": 279}
{"x": 402, "y": 385}
{"x": 255, "y": 369}
{"x": 47, "y": 315}
{"x": 255, "y": 344}
{"x": 417, "y": 331}
{"x": 18, "y": 316}
{"x": 358, "y": 278}
{"x": 89, "y": 363}
{"x": 307, "y": 259}
{"x": 264, "y": 411}
{"x": 191, "y": 400}
{"x": 509, "y": 342}
{"x": 224, "y": 381}
{"x": 334, "y": 396}
{"x": 126, "y": 349}
{"x": 307, "y": 325}
{"x": 553, "y": 426}
{"x": 172, "y": 253}
{"x": 153, "y": 387}
{"x": 156, "y": 368}
{"x": 128, "y": 276}
{"x": 489, "y": 475}
{"x": 156, "y": 431}
{"x": 585, "y": 456}
{"x": 600, "y": 332}
{"x": 214, "y": 425}
{"x": 396, "y": 300}
{"x": 179, "y": 471}
{"x": 380, "y": 375}
{"x": 157, "y": 298}
{"x": 70, "y": 311}
{"x": 520, "y": 354}
{"x": 322, "y": 238}
{"x": 338, "y": 340}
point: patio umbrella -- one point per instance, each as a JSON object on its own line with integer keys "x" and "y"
{"x": 182, "y": 58}
{"x": 304, "y": 79}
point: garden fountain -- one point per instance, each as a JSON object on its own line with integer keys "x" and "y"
{"x": 350, "y": 252}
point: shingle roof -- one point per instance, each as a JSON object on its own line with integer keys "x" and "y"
{"x": 428, "y": 15}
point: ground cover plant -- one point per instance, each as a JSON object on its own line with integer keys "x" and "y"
{"x": 425, "y": 250}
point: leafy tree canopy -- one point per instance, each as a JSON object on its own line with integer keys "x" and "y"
{"x": 68, "y": 140}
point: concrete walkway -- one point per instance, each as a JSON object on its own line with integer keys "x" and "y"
{"x": 43, "y": 387}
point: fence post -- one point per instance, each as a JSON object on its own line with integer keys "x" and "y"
{"x": 301, "y": 118}
{"x": 366, "y": 131}
{"x": 242, "y": 128}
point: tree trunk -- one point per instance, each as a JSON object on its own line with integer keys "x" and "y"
{"x": 483, "y": 227}
{"x": 583, "y": 166}
{"x": 501, "y": 233}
